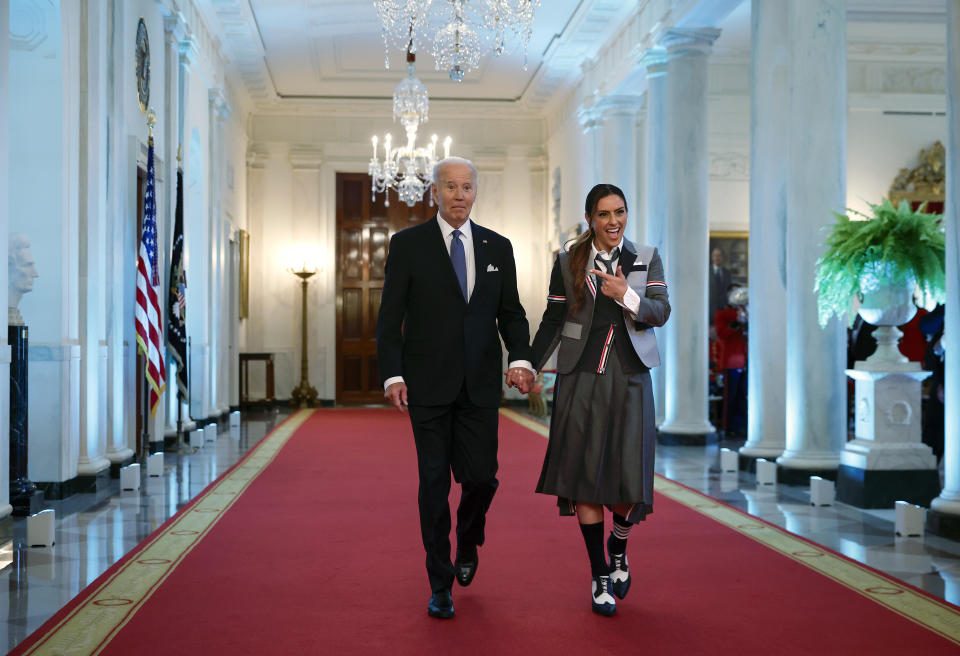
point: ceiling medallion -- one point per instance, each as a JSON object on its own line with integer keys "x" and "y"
{"x": 459, "y": 30}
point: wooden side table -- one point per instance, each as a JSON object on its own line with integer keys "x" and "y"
{"x": 245, "y": 359}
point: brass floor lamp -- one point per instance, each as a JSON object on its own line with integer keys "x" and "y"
{"x": 304, "y": 395}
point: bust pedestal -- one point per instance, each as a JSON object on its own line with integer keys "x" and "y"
{"x": 25, "y": 498}
{"x": 887, "y": 461}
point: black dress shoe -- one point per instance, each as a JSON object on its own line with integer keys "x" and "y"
{"x": 466, "y": 567}
{"x": 441, "y": 605}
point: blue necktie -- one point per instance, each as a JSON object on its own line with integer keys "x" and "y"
{"x": 459, "y": 261}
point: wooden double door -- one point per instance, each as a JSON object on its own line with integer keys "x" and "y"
{"x": 364, "y": 228}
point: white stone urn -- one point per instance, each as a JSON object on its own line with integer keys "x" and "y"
{"x": 886, "y": 306}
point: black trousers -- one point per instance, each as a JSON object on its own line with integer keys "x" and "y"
{"x": 461, "y": 438}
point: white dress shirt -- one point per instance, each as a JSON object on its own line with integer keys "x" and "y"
{"x": 630, "y": 301}
{"x": 466, "y": 237}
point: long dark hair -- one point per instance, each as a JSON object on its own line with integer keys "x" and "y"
{"x": 579, "y": 248}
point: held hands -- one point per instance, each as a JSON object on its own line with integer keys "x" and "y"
{"x": 612, "y": 286}
{"x": 396, "y": 395}
{"x": 520, "y": 378}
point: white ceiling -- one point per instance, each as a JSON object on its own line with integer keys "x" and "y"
{"x": 333, "y": 48}
{"x": 300, "y": 54}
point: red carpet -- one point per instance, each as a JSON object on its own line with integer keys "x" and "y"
{"x": 321, "y": 555}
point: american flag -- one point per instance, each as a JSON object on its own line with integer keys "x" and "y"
{"x": 148, "y": 305}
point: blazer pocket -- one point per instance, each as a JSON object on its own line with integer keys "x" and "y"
{"x": 571, "y": 330}
{"x": 638, "y": 267}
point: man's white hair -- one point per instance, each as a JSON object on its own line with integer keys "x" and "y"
{"x": 454, "y": 160}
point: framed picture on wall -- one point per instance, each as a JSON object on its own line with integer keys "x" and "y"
{"x": 733, "y": 246}
{"x": 244, "y": 288}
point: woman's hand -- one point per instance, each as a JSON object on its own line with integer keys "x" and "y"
{"x": 612, "y": 286}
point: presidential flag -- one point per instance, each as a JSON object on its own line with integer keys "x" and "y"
{"x": 147, "y": 309}
{"x": 176, "y": 297}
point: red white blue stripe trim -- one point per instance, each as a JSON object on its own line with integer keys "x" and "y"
{"x": 556, "y": 299}
{"x": 606, "y": 351}
{"x": 656, "y": 283}
{"x": 592, "y": 286}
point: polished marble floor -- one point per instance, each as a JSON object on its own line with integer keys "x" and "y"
{"x": 93, "y": 532}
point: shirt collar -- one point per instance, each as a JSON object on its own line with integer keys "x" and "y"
{"x": 594, "y": 252}
{"x": 447, "y": 229}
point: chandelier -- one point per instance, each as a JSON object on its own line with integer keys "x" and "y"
{"x": 458, "y": 29}
{"x": 406, "y": 169}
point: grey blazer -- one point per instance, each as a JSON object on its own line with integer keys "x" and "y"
{"x": 569, "y": 329}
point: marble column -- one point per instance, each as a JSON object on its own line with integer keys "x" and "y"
{"x": 589, "y": 118}
{"x": 655, "y": 192}
{"x": 617, "y": 158}
{"x": 686, "y": 420}
{"x": 944, "y": 515}
{"x": 174, "y": 30}
{"x": 120, "y": 388}
{"x": 769, "y": 141}
{"x": 5, "y": 507}
{"x": 816, "y": 357}
{"x": 92, "y": 195}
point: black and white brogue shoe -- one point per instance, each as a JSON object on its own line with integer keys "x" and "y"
{"x": 620, "y": 575}
{"x": 603, "y": 601}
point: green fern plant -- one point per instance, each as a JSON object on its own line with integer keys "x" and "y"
{"x": 898, "y": 244}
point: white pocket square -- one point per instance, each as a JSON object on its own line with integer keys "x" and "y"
{"x": 490, "y": 267}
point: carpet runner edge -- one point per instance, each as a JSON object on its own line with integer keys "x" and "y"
{"x": 88, "y": 623}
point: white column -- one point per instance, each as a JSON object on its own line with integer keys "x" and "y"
{"x": 590, "y": 170}
{"x": 687, "y": 162}
{"x": 215, "y": 318}
{"x": 769, "y": 141}
{"x": 816, "y": 358}
{"x": 92, "y": 197}
{"x": 655, "y": 193}
{"x": 174, "y": 30}
{"x": 120, "y": 390}
{"x": 947, "y": 505}
{"x": 617, "y": 156}
{"x": 5, "y": 507}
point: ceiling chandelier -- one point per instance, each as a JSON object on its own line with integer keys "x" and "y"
{"x": 458, "y": 29}
{"x": 406, "y": 169}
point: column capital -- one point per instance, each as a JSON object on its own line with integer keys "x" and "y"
{"x": 174, "y": 27}
{"x": 617, "y": 106}
{"x": 588, "y": 114}
{"x": 654, "y": 60}
{"x": 685, "y": 41}
{"x": 188, "y": 50}
{"x": 218, "y": 103}
{"x": 304, "y": 158}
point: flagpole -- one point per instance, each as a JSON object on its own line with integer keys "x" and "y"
{"x": 181, "y": 445}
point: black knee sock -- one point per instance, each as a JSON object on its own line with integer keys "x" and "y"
{"x": 593, "y": 538}
{"x": 618, "y": 536}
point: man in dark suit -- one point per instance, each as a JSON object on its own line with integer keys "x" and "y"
{"x": 450, "y": 286}
{"x": 720, "y": 280}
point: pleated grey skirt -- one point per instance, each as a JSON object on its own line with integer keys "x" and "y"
{"x": 602, "y": 441}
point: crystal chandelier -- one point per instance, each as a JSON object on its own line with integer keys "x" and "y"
{"x": 407, "y": 169}
{"x": 458, "y": 29}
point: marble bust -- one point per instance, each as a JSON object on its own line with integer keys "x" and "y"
{"x": 21, "y": 274}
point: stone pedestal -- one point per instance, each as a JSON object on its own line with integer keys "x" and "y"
{"x": 24, "y": 496}
{"x": 887, "y": 461}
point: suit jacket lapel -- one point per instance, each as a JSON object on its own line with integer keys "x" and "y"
{"x": 480, "y": 258}
{"x": 442, "y": 255}
{"x": 628, "y": 255}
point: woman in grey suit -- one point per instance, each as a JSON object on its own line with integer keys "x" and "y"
{"x": 605, "y": 296}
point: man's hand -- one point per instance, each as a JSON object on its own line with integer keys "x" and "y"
{"x": 396, "y": 395}
{"x": 520, "y": 378}
{"x": 612, "y": 286}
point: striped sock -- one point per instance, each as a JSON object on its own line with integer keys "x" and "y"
{"x": 619, "y": 534}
